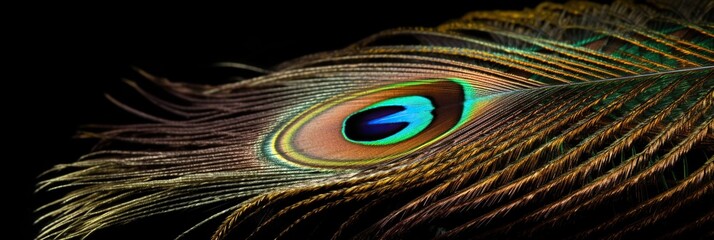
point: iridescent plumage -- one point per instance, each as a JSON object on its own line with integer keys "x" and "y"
{"x": 574, "y": 120}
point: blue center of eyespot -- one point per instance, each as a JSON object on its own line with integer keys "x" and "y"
{"x": 389, "y": 121}
{"x": 361, "y": 127}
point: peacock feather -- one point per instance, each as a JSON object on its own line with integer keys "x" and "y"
{"x": 575, "y": 120}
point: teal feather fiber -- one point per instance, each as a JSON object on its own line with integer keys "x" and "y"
{"x": 576, "y": 120}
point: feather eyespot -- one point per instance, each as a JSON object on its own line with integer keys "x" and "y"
{"x": 376, "y": 125}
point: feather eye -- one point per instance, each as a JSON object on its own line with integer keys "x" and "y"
{"x": 375, "y": 125}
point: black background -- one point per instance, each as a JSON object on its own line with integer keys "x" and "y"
{"x": 68, "y": 57}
